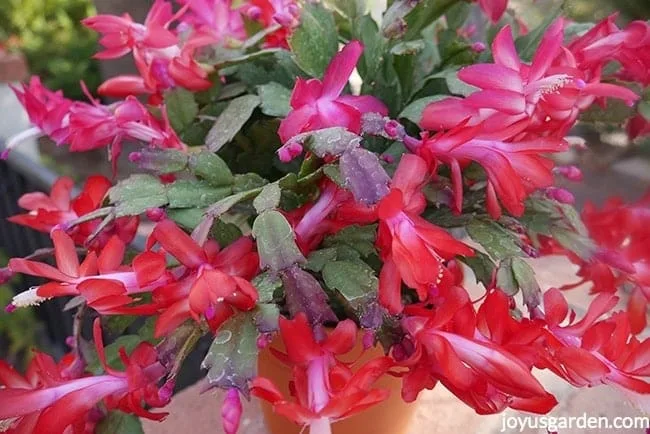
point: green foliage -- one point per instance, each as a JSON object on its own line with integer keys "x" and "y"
{"x": 57, "y": 46}
{"x": 117, "y": 422}
{"x": 232, "y": 358}
{"x": 315, "y": 41}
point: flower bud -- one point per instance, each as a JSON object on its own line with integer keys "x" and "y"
{"x": 231, "y": 411}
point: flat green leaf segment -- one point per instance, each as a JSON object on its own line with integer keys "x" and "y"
{"x": 232, "y": 358}
{"x": 315, "y": 41}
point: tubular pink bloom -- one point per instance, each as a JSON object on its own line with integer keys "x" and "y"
{"x": 48, "y": 402}
{"x": 47, "y": 110}
{"x": 120, "y": 35}
{"x": 210, "y": 283}
{"x": 413, "y": 250}
{"x": 99, "y": 279}
{"x": 544, "y": 98}
{"x": 58, "y": 209}
{"x": 318, "y": 104}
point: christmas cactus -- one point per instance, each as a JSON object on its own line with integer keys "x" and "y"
{"x": 318, "y": 176}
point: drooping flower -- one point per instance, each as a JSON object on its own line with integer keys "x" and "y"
{"x": 514, "y": 169}
{"x": 99, "y": 279}
{"x": 46, "y": 402}
{"x": 47, "y": 110}
{"x": 413, "y": 250}
{"x": 319, "y": 104}
{"x": 58, "y": 209}
{"x": 325, "y": 389}
{"x": 209, "y": 283}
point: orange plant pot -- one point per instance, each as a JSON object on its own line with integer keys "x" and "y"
{"x": 393, "y": 416}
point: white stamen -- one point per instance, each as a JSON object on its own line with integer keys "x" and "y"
{"x": 5, "y": 424}
{"x": 28, "y": 298}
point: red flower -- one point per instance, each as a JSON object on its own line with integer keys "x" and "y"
{"x": 47, "y": 402}
{"x": 413, "y": 250}
{"x": 209, "y": 283}
{"x": 58, "y": 209}
{"x": 590, "y": 351}
{"x": 318, "y": 104}
{"x": 481, "y": 372}
{"x": 514, "y": 169}
{"x": 99, "y": 279}
{"x": 325, "y": 389}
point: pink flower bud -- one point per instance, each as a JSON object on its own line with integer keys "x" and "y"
{"x": 5, "y": 275}
{"x": 391, "y": 128}
{"x": 478, "y": 47}
{"x": 580, "y": 83}
{"x": 166, "y": 391}
{"x": 289, "y": 151}
{"x": 231, "y": 411}
{"x": 284, "y": 19}
{"x": 561, "y": 195}
{"x": 254, "y": 13}
{"x": 156, "y": 214}
{"x": 210, "y": 312}
{"x": 368, "y": 339}
{"x": 388, "y": 158}
{"x": 135, "y": 157}
{"x": 572, "y": 173}
{"x": 263, "y": 340}
{"x": 10, "y": 308}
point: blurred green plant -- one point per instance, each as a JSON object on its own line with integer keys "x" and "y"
{"x": 57, "y": 46}
{"x": 18, "y": 331}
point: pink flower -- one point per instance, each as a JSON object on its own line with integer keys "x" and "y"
{"x": 47, "y": 110}
{"x": 95, "y": 126}
{"x": 544, "y": 98}
{"x": 319, "y": 104}
{"x": 45, "y": 401}
{"x": 120, "y": 35}
{"x": 216, "y": 18}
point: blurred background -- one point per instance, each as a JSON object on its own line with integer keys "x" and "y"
{"x": 46, "y": 38}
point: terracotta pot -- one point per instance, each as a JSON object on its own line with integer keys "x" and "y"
{"x": 392, "y": 416}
